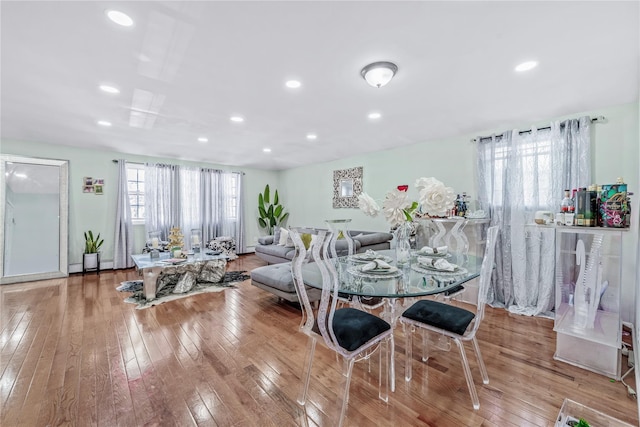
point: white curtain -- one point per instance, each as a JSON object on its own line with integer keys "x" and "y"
{"x": 222, "y": 206}
{"x": 194, "y": 198}
{"x": 520, "y": 173}
{"x": 123, "y": 239}
{"x": 162, "y": 198}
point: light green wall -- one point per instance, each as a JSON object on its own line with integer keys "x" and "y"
{"x": 308, "y": 190}
{"x": 88, "y": 211}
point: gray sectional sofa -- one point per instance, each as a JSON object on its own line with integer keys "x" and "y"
{"x": 272, "y": 253}
{"x": 277, "y": 278}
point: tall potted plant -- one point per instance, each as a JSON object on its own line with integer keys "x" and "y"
{"x": 271, "y": 214}
{"x": 91, "y": 256}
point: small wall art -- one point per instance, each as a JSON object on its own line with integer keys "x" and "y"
{"x": 93, "y": 185}
{"x": 347, "y": 186}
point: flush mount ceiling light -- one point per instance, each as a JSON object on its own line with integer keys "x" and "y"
{"x": 379, "y": 74}
{"x": 237, "y": 119}
{"x": 312, "y": 136}
{"x": 104, "y": 123}
{"x": 374, "y": 116}
{"x": 526, "y": 66}
{"x": 120, "y": 18}
{"x": 266, "y": 150}
{"x": 203, "y": 139}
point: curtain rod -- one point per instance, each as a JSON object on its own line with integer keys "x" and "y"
{"x": 598, "y": 119}
{"x": 138, "y": 163}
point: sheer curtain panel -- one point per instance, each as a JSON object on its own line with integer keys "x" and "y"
{"x": 123, "y": 239}
{"x": 162, "y": 198}
{"x": 520, "y": 173}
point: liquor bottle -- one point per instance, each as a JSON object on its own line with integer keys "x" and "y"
{"x": 567, "y": 204}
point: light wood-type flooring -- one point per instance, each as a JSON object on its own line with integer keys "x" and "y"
{"x": 73, "y": 353}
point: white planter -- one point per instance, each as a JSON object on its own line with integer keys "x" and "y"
{"x": 91, "y": 262}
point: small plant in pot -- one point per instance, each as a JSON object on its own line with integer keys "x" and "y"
{"x": 91, "y": 256}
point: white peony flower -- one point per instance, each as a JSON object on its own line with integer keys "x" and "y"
{"x": 394, "y": 206}
{"x": 368, "y": 205}
{"x": 435, "y": 198}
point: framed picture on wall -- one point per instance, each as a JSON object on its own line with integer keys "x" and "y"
{"x": 98, "y": 189}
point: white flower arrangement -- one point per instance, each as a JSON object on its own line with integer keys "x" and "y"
{"x": 434, "y": 200}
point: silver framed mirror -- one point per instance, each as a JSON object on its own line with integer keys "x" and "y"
{"x": 347, "y": 186}
{"x": 34, "y": 206}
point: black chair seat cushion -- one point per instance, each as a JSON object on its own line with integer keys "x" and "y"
{"x": 354, "y": 328}
{"x": 443, "y": 316}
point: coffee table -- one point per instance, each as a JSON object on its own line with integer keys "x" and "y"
{"x": 152, "y": 267}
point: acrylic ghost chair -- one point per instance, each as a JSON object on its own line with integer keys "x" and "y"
{"x": 351, "y": 333}
{"x": 454, "y": 322}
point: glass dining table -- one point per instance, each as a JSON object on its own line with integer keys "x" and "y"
{"x": 420, "y": 277}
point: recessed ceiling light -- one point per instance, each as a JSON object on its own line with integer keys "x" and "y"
{"x": 293, "y": 84}
{"x": 203, "y": 139}
{"x": 526, "y": 66}
{"x": 120, "y": 18}
{"x": 266, "y": 150}
{"x": 104, "y": 123}
{"x": 312, "y": 136}
{"x": 109, "y": 89}
{"x": 374, "y": 116}
{"x": 236, "y": 119}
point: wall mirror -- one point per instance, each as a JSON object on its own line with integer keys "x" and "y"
{"x": 347, "y": 186}
{"x": 34, "y": 216}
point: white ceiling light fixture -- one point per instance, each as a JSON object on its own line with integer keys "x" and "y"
{"x": 379, "y": 74}
{"x": 203, "y": 139}
{"x": 312, "y": 136}
{"x": 109, "y": 89}
{"x": 374, "y": 116}
{"x": 266, "y": 150}
{"x": 20, "y": 175}
{"x": 237, "y": 119}
{"x": 526, "y": 66}
{"x": 293, "y": 84}
{"x": 119, "y": 18}
{"x": 104, "y": 123}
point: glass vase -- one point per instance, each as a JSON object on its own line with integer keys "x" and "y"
{"x": 403, "y": 243}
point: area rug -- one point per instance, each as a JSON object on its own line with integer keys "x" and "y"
{"x": 166, "y": 293}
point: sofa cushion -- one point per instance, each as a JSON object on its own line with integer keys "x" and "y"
{"x": 277, "y": 276}
{"x": 275, "y": 250}
{"x": 373, "y": 238}
{"x": 266, "y": 240}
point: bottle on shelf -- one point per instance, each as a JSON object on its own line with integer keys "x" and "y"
{"x": 567, "y": 204}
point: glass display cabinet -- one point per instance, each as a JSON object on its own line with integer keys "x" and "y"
{"x": 588, "y": 282}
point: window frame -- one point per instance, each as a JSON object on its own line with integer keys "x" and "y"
{"x": 137, "y": 166}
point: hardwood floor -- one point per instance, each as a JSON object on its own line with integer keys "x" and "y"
{"x": 72, "y": 352}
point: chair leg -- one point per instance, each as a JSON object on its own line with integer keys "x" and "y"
{"x": 408, "y": 351}
{"x": 425, "y": 344}
{"x": 383, "y": 371}
{"x": 467, "y": 375}
{"x": 306, "y": 370}
{"x": 483, "y": 369}
{"x": 392, "y": 363}
{"x": 345, "y": 395}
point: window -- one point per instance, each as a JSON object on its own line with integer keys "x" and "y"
{"x": 534, "y": 158}
{"x": 135, "y": 187}
{"x": 231, "y": 198}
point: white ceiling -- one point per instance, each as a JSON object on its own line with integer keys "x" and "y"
{"x": 198, "y": 63}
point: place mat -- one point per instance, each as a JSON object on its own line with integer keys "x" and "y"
{"x": 365, "y": 259}
{"x": 420, "y": 268}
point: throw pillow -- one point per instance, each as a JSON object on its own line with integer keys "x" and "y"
{"x": 284, "y": 237}
{"x": 276, "y": 236}
{"x": 307, "y": 239}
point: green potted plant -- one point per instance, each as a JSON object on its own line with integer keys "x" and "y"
{"x": 91, "y": 256}
{"x": 271, "y": 214}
